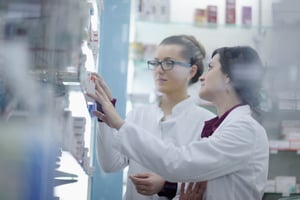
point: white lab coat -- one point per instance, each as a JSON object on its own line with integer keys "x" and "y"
{"x": 181, "y": 127}
{"x": 234, "y": 159}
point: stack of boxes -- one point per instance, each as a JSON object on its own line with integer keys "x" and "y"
{"x": 290, "y": 137}
{"x": 290, "y": 130}
{"x": 73, "y": 140}
{"x": 77, "y": 143}
{"x": 289, "y": 100}
{"x": 290, "y": 141}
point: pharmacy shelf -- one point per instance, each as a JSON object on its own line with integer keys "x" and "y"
{"x": 284, "y": 163}
{"x": 278, "y": 114}
{"x": 277, "y": 151}
{"x": 231, "y": 34}
{"x": 277, "y": 196}
{"x": 204, "y": 25}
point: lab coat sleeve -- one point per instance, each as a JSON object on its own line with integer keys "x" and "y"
{"x": 108, "y": 157}
{"x": 208, "y": 158}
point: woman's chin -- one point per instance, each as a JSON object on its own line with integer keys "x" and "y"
{"x": 204, "y": 96}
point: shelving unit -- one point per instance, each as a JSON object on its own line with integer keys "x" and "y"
{"x": 281, "y": 49}
{"x": 42, "y": 80}
{"x": 278, "y": 196}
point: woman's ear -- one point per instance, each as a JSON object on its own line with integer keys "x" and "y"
{"x": 193, "y": 70}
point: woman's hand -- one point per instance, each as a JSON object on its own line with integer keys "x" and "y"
{"x": 147, "y": 183}
{"x": 103, "y": 85}
{"x": 103, "y": 96}
{"x": 194, "y": 191}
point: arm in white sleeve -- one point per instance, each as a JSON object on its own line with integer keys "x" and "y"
{"x": 108, "y": 157}
{"x": 200, "y": 160}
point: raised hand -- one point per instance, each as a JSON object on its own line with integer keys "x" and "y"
{"x": 103, "y": 85}
{"x": 147, "y": 183}
{"x": 194, "y": 191}
{"x": 103, "y": 96}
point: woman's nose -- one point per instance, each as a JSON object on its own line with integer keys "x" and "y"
{"x": 159, "y": 69}
{"x": 201, "y": 78}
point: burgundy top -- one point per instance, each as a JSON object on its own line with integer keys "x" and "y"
{"x": 211, "y": 125}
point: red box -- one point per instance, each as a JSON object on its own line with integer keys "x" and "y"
{"x": 230, "y": 12}
{"x": 212, "y": 14}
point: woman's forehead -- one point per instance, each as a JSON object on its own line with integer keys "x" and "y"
{"x": 168, "y": 50}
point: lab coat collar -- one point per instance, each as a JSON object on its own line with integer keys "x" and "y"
{"x": 236, "y": 113}
{"x": 182, "y": 105}
{"x": 177, "y": 108}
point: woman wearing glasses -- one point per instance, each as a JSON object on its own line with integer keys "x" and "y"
{"x": 175, "y": 118}
{"x": 235, "y": 158}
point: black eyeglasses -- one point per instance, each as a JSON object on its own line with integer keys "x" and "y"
{"x": 165, "y": 64}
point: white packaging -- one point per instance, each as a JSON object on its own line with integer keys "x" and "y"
{"x": 78, "y": 121}
{"x": 287, "y": 95}
{"x": 279, "y": 144}
{"x": 89, "y": 85}
{"x": 287, "y": 104}
{"x": 293, "y": 136}
{"x": 285, "y": 184}
{"x": 298, "y": 188}
{"x": 162, "y": 10}
{"x": 79, "y": 129}
{"x": 67, "y": 137}
{"x": 295, "y": 145}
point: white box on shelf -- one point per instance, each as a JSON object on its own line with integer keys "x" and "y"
{"x": 67, "y": 136}
{"x": 295, "y": 144}
{"x": 285, "y": 184}
{"x": 78, "y": 129}
{"x": 298, "y": 104}
{"x": 162, "y": 10}
{"x": 298, "y": 188}
{"x": 279, "y": 144}
{"x": 287, "y": 104}
{"x": 287, "y": 95}
{"x": 158, "y": 10}
{"x": 89, "y": 85}
{"x": 290, "y": 129}
{"x": 293, "y": 136}
{"x": 144, "y": 10}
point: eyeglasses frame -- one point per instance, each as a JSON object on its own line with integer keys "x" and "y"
{"x": 174, "y": 62}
